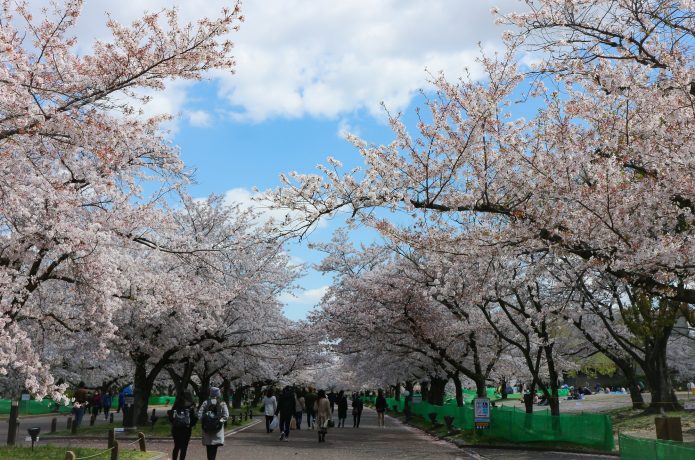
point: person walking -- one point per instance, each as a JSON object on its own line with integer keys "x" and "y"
{"x": 213, "y": 413}
{"x": 309, "y": 402}
{"x": 322, "y": 407}
{"x": 286, "y": 409}
{"x": 380, "y": 406}
{"x": 332, "y": 398}
{"x": 342, "y": 408}
{"x": 357, "y": 407}
{"x": 183, "y": 418}
{"x": 299, "y": 407}
{"x": 106, "y": 401}
{"x": 270, "y": 405}
{"x": 80, "y": 403}
{"x": 95, "y": 403}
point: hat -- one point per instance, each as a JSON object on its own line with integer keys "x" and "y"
{"x": 214, "y": 392}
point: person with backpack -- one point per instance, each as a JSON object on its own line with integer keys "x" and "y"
{"x": 286, "y": 409}
{"x": 309, "y": 401}
{"x": 380, "y": 406}
{"x": 357, "y": 407}
{"x": 213, "y": 413}
{"x": 183, "y": 418}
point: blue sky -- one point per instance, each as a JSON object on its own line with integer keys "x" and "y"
{"x": 307, "y": 71}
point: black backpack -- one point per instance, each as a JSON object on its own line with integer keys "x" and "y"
{"x": 181, "y": 418}
{"x": 211, "y": 421}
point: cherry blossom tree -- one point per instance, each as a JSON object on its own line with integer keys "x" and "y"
{"x": 601, "y": 173}
{"x": 75, "y": 157}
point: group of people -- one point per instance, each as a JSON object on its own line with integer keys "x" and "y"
{"x": 292, "y": 403}
{"x": 95, "y": 402}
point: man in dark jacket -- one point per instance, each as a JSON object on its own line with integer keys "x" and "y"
{"x": 309, "y": 401}
{"x": 286, "y": 409}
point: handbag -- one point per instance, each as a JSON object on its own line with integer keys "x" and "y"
{"x": 293, "y": 424}
{"x": 330, "y": 423}
{"x": 274, "y": 423}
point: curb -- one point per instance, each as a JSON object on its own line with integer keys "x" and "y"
{"x": 147, "y": 438}
{"x": 463, "y": 445}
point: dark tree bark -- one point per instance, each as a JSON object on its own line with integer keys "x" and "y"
{"x": 459, "y": 389}
{"x": 424, "y": 390}
{"x": 436, "y": 393}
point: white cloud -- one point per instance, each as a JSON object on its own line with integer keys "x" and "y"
{"x": 326, "y": 59}
{"x": 305, "y": 297}
{"x": 199, "y": 118}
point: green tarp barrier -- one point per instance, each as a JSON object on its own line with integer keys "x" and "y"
{"x": 161, "y": 400}
{"x": 514, "y": 425}
{"x": 32, "y": 407}
{"x": 632, "y": 448}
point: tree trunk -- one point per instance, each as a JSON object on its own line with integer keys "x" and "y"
{"x": 237, "y": 396}
{"x": 436, "y": 393}
{"x": 225, "y": 391}
{"x": 480, "y": 388}
{"x": 459, "y": 389}
{"x": 657, "y": 375}
{"x": 633, "y": 387}
{"x": 425, "y": 390}
{"x": 398, "y": 391}
{"x": 142, "y": 388}
{"x": 183, "y": 381}
{"x": 204, "y": 390}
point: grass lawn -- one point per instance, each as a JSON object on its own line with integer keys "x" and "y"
{"x": 161, "y": 429}
{"x": 635, "y": 422}
{"x": 58, "y": 453}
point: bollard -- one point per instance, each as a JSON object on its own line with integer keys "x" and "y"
{"x": 112, "y": 438}
{"x": 111, "y": 417}
{"x": 54, "y": 425}
{"x": 73, "y": 428}
{"x": 114, "y": 451}
{"x": 69, "y": 424}
{"x": 70, "y": 455}
{"x": 141, "y": 441}
{"x": 92, "y": 419}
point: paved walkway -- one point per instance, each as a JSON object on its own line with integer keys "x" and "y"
{"x": 395, "y": 441}
{"x": 369, "y": 442}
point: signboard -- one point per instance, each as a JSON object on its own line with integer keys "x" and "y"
{"x": 417, "y": 398}
{"x": 119, "y": 430}
{"x": 26, "y": 397}
{"x": 28, "y": 438}
{"x": 481, "y": 413}
{"x": 689, "y": 406}
{"x": 129, "y": 400}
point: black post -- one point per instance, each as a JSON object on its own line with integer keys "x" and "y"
{"x": 12, "y": 431}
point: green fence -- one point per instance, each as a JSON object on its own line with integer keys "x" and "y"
{"x": 32, "y": 407}
{"x": 654, "y": 449}
{"x": 161, "y": 400}
{"x": 514, "y": 425}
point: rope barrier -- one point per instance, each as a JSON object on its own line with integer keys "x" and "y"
{"x": 96, "y": 455}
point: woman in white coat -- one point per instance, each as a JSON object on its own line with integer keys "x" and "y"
{"x": 213, "y": 413}
{"x": 270, "y": 405}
